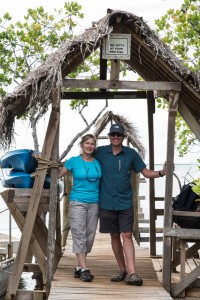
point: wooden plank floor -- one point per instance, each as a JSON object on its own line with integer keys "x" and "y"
{"x": 193, "y": 291}
{"x": 103, "y": 265}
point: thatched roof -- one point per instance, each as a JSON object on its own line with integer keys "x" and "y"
{"x": 149, "y": 57}
{"x": 130, "y": 130}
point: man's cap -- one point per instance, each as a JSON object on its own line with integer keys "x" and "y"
{"x": 117, "y": 128}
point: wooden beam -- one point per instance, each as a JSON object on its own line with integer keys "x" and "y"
{"x": 41, "y": 233}
{"x": 104, "y": 95}
{"x": 183, "y": 233}
{"x": 26, "y": 193}
{"x": 182, "y": 260}
{"x": 33, "y": 205}
{"x": 151, "y": 111}
{"x": 22, "y": 199}
{"x": 189, "y": 252}
{"x": 159, "y": 212}
{"x": 128, "y": 85}
{"x": 29, "y": 267}
{"x": 185, "y": 282}
{"x": 66, "y": 225}
{"x": 167, "y": 242}
{"x": 53, "y": 200}
{"x": 135, "y": 180}
{"x": 23, "y": 207}
{"x": 103, "y": 67}
{"x": 186, "y": 213}
{"x": 115, "y": 68}
{"x": 30, "y": 295}
{"x": 20, "y": 220}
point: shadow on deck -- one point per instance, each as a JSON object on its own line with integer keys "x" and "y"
{"x": 103, "y": 265}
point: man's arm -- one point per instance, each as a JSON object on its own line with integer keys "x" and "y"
{"x": 154, "y": 174}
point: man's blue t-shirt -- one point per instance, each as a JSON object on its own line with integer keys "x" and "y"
{"x": 115, "y": 185}
{"x": 86, "y": 176}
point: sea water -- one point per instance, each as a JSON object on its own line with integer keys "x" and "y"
{"x": 185, "y": 173}
{"x": 182, "y": 174}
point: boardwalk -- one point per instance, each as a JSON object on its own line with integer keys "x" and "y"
{"x": 103, "y": 266}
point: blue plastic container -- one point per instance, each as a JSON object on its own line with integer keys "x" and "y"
{"x": 18, "y": 179}
{"x": 19, "y": 160}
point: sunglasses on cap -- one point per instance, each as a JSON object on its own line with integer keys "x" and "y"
{"x": 116, "y": 134}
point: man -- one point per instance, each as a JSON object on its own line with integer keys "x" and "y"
{"x": 116, "y": 209}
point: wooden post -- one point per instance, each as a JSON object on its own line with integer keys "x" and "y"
{"x": 152, "y": 215}
{"x": 183, "y": 257}
{"x": 66, "y": 226}
{"x": 53, "y": 199}
{"x": 10, "y": 250}
{"x": 58, "y": 230}
{"x": 115, "y": 63}
{"x": 33, "y": 205}
{"x": 103, "y": 68}
{"x": 167, "y": 240}
{"x": 115, "y": 69}
{"x": 135, "y": 178}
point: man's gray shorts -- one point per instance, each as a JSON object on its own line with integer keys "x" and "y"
{"x": 113, "y": 221}
{"x": 83, "y": 223}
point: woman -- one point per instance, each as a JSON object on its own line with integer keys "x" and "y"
{"x": 84, "y": 206}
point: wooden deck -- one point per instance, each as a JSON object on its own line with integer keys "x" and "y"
{"x": 193, "y": 291}
{"x": 103, "y": 265}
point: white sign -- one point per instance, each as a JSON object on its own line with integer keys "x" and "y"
{"x": 117, "y": 46}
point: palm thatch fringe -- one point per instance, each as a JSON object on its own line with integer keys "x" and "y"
{"x": 131, "y": 131}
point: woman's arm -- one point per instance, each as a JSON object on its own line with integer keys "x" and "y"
{"x": 62, "y": 172}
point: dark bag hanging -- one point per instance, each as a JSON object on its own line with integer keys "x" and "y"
{"x": 185, "y": 201}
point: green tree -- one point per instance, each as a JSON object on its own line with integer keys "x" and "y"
{"x": 180, "y": 30}
{"x": 26, "y": 44}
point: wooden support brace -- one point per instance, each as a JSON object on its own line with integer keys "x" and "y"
{"x": 33, "y": 205}
{"x": 189, "y": 252}
{"x": 20, "y": 220}
{"x": 185, "y": 282}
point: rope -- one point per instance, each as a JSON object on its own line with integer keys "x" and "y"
{"x": 49, "y": 163}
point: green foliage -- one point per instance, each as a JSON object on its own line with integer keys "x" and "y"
{"x": 196, "y": 188}
{"x": 180, "y": 30}
{"x": 186, "y": 140}
{"x": 25, "y": 44}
